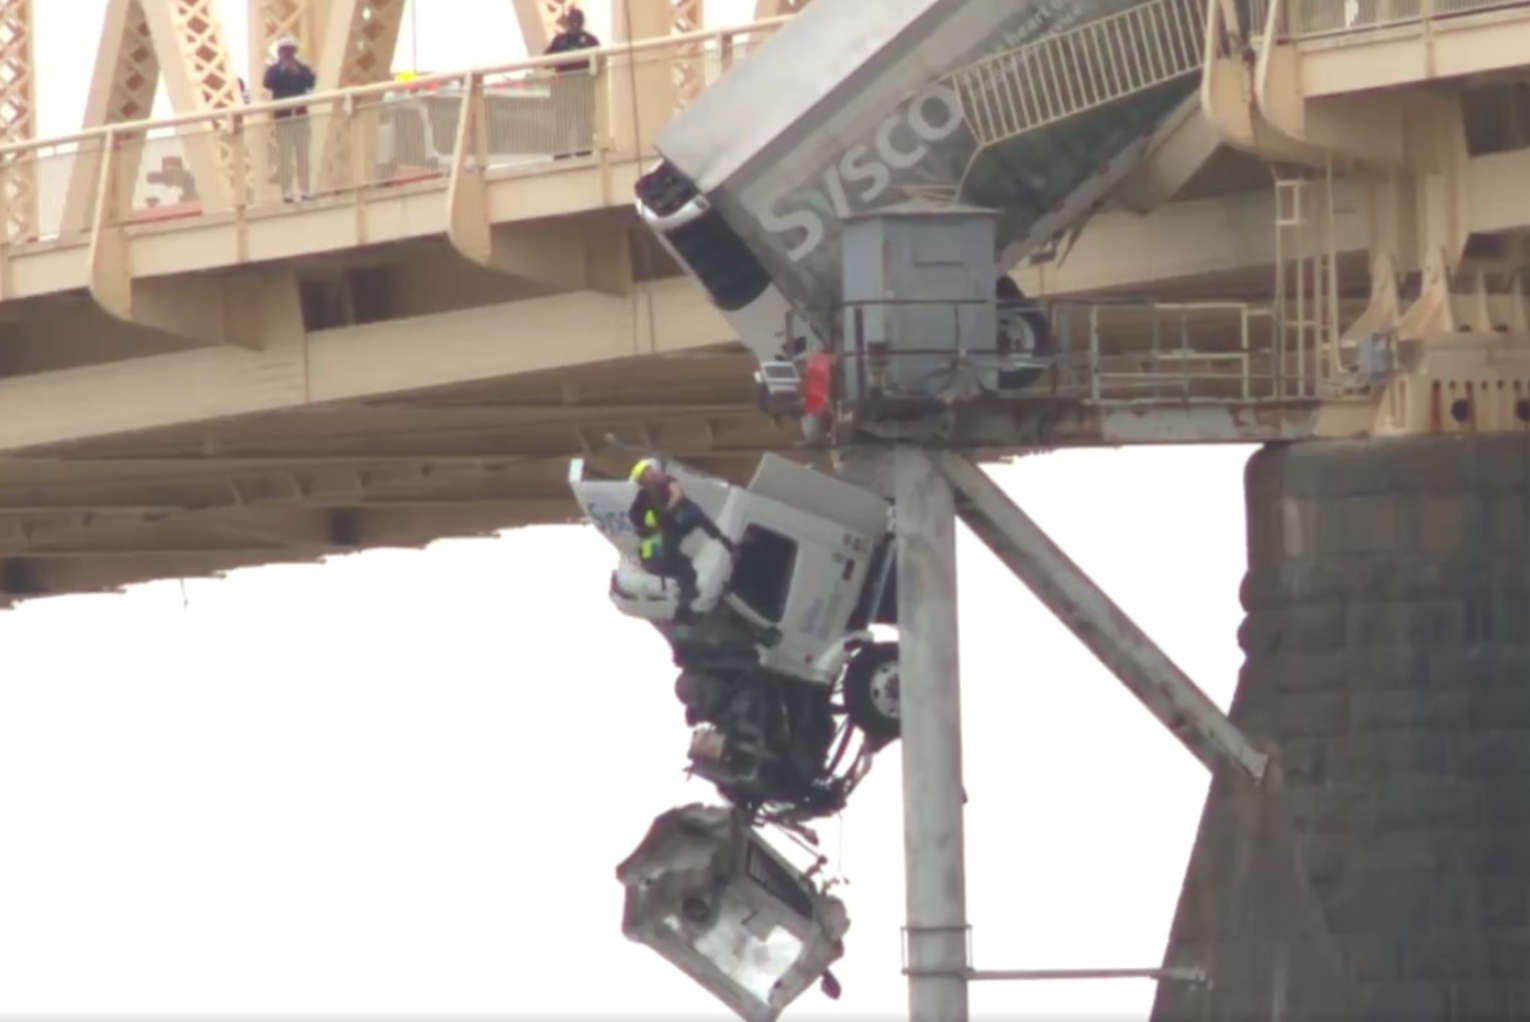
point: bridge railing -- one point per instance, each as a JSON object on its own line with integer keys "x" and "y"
{"x": 1104, "y": 352}
{"x": 1302, "y": 18}
{"x": 362, "y": 143}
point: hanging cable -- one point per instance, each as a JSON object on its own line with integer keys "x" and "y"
{"x": 644, "y": 266}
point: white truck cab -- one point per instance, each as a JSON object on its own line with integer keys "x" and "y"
{"x": 780, "y": 669}
{"x": 803, "y": 576}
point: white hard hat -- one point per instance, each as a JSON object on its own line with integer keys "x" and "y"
{"x": 286, "y": 42}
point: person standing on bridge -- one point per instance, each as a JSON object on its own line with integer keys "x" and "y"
{"x": 573, "y": 90}
{"x": 289, "y": 78}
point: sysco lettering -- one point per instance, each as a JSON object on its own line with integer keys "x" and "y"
{"x": 864, "y": 172}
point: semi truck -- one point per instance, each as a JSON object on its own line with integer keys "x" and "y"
{"x": 1034, "y": 109}
{"x": 788, "y": 662}
{"x": 788, "y": 674}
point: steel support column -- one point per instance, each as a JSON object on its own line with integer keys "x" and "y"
{"x": 1099, "y": 624}
{"x": 934, "y": 855}
{"x": 360, "y": 37}
{"x": 198, "y": 70}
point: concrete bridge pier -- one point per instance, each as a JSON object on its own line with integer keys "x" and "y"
{"x": 1384, "y": 870}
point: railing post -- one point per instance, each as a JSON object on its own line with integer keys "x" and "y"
{"x": 477, "y": 119}
{"x": 353, "y": 128}
{"x": 602, "y": 129}
{"x": 1185, "y": 351}
{"x": 239, "y": 169}
{"x": 7, "y": 165}
{"x": 1064, "y": 319}
{"x": 238, "y": 162}
{"x": 7, "y": 234}
{"x": 1094, "y": 352}
{"x": 1243, "y": 341}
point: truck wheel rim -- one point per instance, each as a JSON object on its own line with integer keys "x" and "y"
{"x": 883, "y": 690}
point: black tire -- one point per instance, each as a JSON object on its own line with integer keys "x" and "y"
{"x": 871, "y": 692}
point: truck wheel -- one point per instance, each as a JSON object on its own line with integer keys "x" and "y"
{"x": 871, "y": 691}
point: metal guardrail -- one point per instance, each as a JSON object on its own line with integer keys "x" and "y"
{"x": 1305, "y": 18}
{"x": 1102, "y": 352}
{"x": 357, "y": 143}
{"x": 1081, "y": 69}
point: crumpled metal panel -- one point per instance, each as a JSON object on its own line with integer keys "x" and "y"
{"x": 709, "y": 895}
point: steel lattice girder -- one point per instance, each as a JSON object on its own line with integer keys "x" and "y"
{"x": 184, "y": 39}
{"x": 360, "y": 38}
{"x": 18, "y": 117}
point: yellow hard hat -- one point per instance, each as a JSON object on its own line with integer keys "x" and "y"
{"x": 641, "y": 467}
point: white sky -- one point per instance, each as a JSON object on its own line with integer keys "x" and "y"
{"x": 401, "y": 781}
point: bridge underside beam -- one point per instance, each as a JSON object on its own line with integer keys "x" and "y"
{"x": 347, "y": 363}
{"x": 300, "y": 484}
{"x": 1181, "y": 148}
{"x": 1123, "y": 250}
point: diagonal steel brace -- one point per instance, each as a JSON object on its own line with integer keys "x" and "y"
{"x": 1101, "y": 625}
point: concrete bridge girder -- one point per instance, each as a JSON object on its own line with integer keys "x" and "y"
{"x": 1340, "y": 95}
{"x": 1227, "y": 94}
{"x": 290, "y": 368}
{"x": 401, "y": 471}
{"x": 1178, "y": 151}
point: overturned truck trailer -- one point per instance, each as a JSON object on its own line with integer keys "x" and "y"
{"x": 1032, "y": 109}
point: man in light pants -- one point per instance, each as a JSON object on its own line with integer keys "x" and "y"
{"x": 573, "y": 88}
{"x": 285, "y": 79}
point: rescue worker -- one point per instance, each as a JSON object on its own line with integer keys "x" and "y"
{"x": 663, "y": 516}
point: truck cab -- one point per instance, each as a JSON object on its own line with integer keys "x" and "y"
{"x": 783, "y": 663}
{"x": 813, "y": 564}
